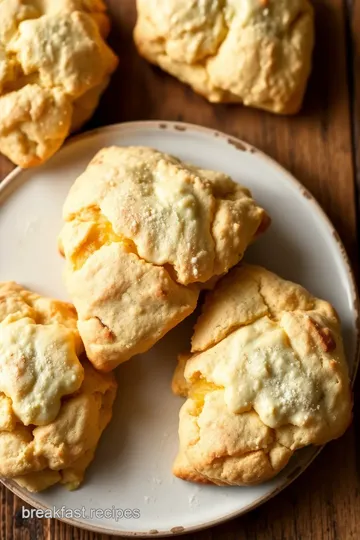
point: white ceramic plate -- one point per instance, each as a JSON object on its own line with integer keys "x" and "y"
{"x": 132, "y": 468}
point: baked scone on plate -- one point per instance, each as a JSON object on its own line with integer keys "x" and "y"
{"x": 266, "y": 376}
{"x": 53, "y": 407}
{"x": 255, "y": 52}
{"x": 54, "y": 65}
{"x": 142, "y": 232}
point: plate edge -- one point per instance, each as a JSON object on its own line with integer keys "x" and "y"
{"x": 242, "y": 146}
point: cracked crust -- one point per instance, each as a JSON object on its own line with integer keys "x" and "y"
{"x": 253, "y": 52}
{"x": 125, "y": 304}
{"x": 142, "y": 231}
{"x": 53, "y": 408}
{"x": 38, "y": 457}
{"x": 34, "y": 122}
{"x": 54, "y": 65}
{"x": 223, "y": 448}
{"x": 267, "y": 376}
{"x": 261, "y": 293}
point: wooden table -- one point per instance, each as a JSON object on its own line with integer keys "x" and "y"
{"x": 321, "y": 147}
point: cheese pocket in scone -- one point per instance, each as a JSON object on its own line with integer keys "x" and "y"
{"x": 143, "y": 231}
{"x": 255, "y": 52}
{"x": 267, "y": 376}
{"x": 53, "y": 407}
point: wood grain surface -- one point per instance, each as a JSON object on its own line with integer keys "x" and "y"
{"x": 321, "y": 147}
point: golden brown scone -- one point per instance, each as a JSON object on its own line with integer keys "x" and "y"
{"x": 141, "y": 231}
{"x": 34, "y": 122}
{"x": 53, "y": 408}
{"x": 54, "y": 65}
{"x": 257, "y": 52}
{"x": 267, "y": 376}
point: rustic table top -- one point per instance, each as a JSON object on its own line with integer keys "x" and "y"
{"x": 321, "y": 147}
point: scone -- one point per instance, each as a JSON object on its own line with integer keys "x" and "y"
{"x": 267, "y": 376}
{"x": 53, "y": 408}
{"x": 54, "y": 65}
{"x": 256, "y": 52}
{"x": 143, "y": 231}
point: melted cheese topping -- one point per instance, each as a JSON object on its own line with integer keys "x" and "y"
{"x": 101, "y": 234}
{"x": 260, "y": 370}
{"x": 39, "y": 365}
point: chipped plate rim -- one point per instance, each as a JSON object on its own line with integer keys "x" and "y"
{"x": 242, "y": 146}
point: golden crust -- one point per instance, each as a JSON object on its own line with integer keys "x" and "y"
{"x": 142, "y": 231}
{"x": 260, "y": 292}
{"x": 45, "y": 47}
{"x": 125, "y": 304}
{"x": 45, "y": 439}
{"x": 34, "y": 122}
{"x": 61, "y": 450}
{"x": 268, "y": 376}
{"x": 54, "y": 65}
{"x": 223, "y": 448}
{"x": 196, "y": 221}
{"x": 12, "y": 12}
{"x": 253, "y": 52}
{"x": 96, "y": 9}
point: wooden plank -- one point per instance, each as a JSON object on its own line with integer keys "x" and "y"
{"x": 5, "y": 167}
{"x": 353, "y": 34}
{"x": 316, "y": 146}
